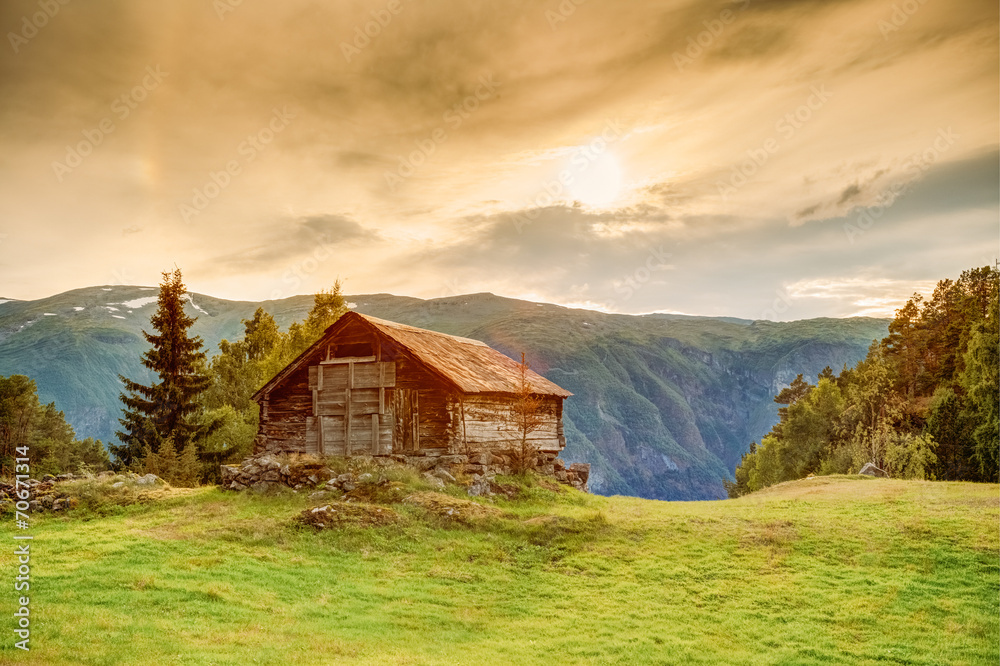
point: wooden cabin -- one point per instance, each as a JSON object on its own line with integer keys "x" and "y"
{"x": 375, "y": 387}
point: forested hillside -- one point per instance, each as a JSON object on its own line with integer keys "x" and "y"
{"x": 922, "y": 405}
{"x": 29, "y": 428}
{"x": 664, "y": 405}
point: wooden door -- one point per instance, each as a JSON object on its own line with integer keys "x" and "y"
{"x": 406, "y": 431}
{"x": 350, "y": 414}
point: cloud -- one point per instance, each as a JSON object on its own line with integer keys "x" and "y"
{"x": 685, "y": 130}
{"x": 290, "y": 241}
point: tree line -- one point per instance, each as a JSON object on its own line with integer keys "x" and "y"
{"x": 51, "y": 443}
{"x": 923, "y": 404}
{"x": 198, "y": 413}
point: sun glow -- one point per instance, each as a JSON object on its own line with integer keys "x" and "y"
{"x": 596, "y": 179}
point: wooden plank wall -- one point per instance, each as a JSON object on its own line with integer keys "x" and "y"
{"x": 434, "y": 422}
{"x": 481, "y": 429}
{"x": 288, "y": 408}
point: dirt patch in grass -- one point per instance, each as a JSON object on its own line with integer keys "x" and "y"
{"x": 340, "y": 514}
{"x": 450, "y": 507}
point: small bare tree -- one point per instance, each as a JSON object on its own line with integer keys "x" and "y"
{"x": 525, "y": 416}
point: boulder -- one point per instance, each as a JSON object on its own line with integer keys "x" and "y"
{"x": 148, "y": 480}
{"x": 871, "y": 470}
{"x": 582, "y": 471}
{"x": 481, "y": 458}
{"x": 444, "y": 475}
{"x": 229, "y": 473}
{"x": 422, "y": 463}
{"x": 481, "y": 487}
{"x": 269, "y": 462}
{"x": 433, "y": 480}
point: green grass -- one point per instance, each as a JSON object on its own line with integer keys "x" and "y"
{"x": 823, "y": 571}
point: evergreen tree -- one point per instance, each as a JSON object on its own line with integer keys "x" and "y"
{"x": 166, "y": 408}
{"x": 981, "y": 380}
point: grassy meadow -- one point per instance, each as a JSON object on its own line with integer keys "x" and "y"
{"x": 830, "y": 570}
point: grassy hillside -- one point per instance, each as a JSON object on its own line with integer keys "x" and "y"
{"x": 826, "y": 570}
{"x": 664, "y": 405}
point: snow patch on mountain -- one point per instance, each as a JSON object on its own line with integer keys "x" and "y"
{"x": 188, "y": 297}
{"x": 117, "y": 316}
{"x": 78, "y": 308}
{"x": 137, "y": 303}
{"x": 49, "y": 314}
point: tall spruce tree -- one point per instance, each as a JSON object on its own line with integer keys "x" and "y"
{"x": 165, "y": 409}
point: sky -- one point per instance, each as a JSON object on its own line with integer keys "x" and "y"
{"x": 764, "y": 159}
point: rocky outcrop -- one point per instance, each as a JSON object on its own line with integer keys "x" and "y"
{"x": 52, "y": 493}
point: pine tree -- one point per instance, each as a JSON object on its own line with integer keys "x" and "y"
{"x": 166, "y": 408}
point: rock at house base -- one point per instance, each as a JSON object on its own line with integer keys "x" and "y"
{"x": 871, "y": 470}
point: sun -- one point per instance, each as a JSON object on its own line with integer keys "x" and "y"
{"x": 596, "y": 178}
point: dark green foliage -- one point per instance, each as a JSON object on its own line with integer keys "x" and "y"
{"x": 167, "y": 408}
{"x": 179, "y": 468}
{"x": 923, "y": 404}
{"x": 51, "y": 443}
{"x": 981, "y": 382}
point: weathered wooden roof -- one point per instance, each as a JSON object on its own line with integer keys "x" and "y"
{"x": 472, "y": 366}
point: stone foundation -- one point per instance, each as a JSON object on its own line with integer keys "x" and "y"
{"x": 267, "y": 470}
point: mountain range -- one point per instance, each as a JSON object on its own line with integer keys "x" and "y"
{"x": 663, "y": 407}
